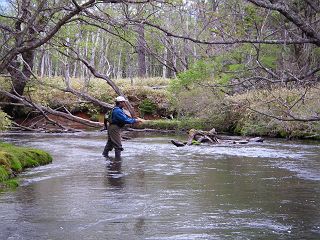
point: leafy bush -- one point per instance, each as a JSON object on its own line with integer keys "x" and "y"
{"x": 191, "y": 98}
{"x": 199, "y": 72}
{"x": 147, "y": 107}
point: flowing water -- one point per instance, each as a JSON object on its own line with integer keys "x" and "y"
{"x": 267, "y": 190}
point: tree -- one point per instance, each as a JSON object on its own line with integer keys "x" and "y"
{"x": 30, "y": 25}
{"x": 252, "y": 43}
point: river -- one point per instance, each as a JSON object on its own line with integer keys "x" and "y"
{"x": 267, "y": 190}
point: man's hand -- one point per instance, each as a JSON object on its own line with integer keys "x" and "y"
{"x": 141, "y": 120}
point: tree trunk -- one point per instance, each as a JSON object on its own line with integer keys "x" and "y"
{"x": 141, "y": 50}
{"x": 169, "y": 58}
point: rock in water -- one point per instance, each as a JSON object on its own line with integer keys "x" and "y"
{"x": 177, "y": 143}
{"x": 256, "y": 139}
{"x": 241, "y": 142}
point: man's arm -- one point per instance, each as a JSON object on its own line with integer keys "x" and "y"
{"x": 121, "y": 117}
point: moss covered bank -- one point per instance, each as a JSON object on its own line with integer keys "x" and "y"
{"x": 14, "y": 160}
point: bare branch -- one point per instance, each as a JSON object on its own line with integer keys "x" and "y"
{"x": 313, "y": 5}
{"x": 292, "y": 119}
{"x": 51, "y": 111}
{"x": 231, "y": 42}
{"x": 292, "y": 16}
{"x": 98, "y": 75}
{"x": 37, "y": 43}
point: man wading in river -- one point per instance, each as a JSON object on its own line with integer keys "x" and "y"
{"x": 117, "y": 120}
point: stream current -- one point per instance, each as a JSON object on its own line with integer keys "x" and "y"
{"x": 267, "y": 190}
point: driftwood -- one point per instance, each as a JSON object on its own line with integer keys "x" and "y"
{"x": 202, "y": 136}
{"x": 196, "y": 137}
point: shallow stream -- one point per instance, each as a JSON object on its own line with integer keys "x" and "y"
{"x": 267, "y": 190}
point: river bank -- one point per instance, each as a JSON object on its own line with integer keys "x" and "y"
{"x": 13, "y": 160}
{"x": 170, "y": 106}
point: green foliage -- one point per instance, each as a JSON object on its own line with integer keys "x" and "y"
{"x": 10, "y": 183}
{"x": 252, "y": 16}
{"x": 161, "y": 124}
{"x": 3, "y": 174}
{"x": 230, "y": 113}
{"x": 94, "y": 112}
{"x": 147, "y": 107}
{"x": 15, "y": 159}
{"x": 195, "y": 142}
{"x": 269, "y": 55}
{"x": 203, "y": 103}
{"x": 217, "y": 70}
{"x": 200, "y": 71}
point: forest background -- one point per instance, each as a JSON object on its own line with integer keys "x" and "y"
{"x": 249, "y": 67}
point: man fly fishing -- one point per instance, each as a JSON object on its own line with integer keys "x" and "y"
{"x": 117, "y": 120}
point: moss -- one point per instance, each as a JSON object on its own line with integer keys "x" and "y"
{"x": 15, "y": 159}
{"x": 195, "y": 142}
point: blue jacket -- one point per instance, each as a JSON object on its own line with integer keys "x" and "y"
{"x": 120, "y": 118}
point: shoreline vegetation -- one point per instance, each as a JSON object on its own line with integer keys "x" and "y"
{"x": 14, "y": 160}
{"x": 169, "y": 105}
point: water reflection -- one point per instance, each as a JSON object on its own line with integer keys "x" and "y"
{"x": 139, "y": 225}
{"x": 114, "y": 175}
{"x": 158, "y": 191}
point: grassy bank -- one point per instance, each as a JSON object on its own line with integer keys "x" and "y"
{"x": 14, "y": 160}
{"x": 257, "y": 112}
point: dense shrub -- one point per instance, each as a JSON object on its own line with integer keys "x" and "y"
{"x": 147, "y": 107}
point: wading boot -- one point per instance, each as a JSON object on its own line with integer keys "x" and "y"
{"x": 117, "y": 153}
{"x": 105, "y": 152}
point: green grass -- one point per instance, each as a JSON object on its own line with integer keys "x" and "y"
{"x": 10, "y": 183}
{"x": 14, "y": 160}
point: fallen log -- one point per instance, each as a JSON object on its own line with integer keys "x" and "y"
{"x": 202, "y": 136}
{"x": 196, "y": 137}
